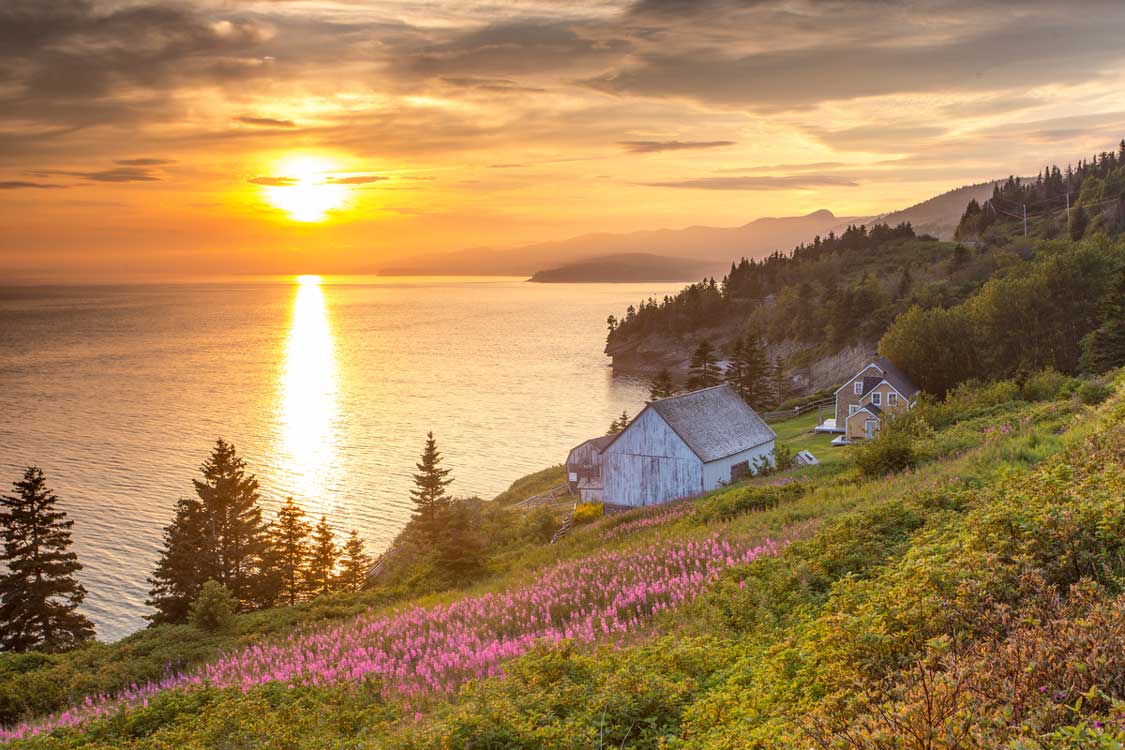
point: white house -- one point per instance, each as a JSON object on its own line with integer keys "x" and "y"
{"x": 683, "y": 446}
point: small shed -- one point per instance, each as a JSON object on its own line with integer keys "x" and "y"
{"x": 584, "y": 469}
{"x": 684, "y": 446}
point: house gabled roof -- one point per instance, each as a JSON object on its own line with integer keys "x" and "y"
{"x": 871, "y": 409}
{"x": 714, "y": 422}
{"x": 896, "y": 377}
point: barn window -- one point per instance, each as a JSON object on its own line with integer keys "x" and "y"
{"x": 739, "y": 471}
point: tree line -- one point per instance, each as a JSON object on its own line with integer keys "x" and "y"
{"x": 219, "y": 554}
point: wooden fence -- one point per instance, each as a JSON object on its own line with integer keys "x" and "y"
{"x": 796, "y": 411}
{"x": 552, "y": 496}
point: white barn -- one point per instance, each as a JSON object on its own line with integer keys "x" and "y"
{"x": 684, "y": 446}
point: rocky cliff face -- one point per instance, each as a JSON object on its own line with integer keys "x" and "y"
{"x": 806, "y": 369}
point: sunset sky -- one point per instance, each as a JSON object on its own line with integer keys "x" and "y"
{"x": 289, "y": 136}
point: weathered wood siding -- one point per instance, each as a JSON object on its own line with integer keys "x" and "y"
{"x": 649, "y": 464}
{"x": 717, "y": 473}
{"x": 885, "y": 390}
{"x": 583, "y": 468}
{"x": 857, "y": 425}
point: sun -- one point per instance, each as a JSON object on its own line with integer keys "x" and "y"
{"x": 305, "y": 190}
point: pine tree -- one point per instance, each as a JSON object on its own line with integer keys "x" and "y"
{"x": 755, "y": 384}
{"x": 1104, "y": 348}
{"x": 735, "y": 372}
{"x": 619, "y": 424}
{"x": 429, "y": 493}
{"x": 1078, "y": 222}
{"x": 183, "y": 568}
{"x": 354, "y": 565}
{"x": 320, "y": 577}
{"x": 218, "y": 536}
{"x": 39, "y": 595}
{"x": 704, "y": 370}
{"x": 290, "y": 548}
{"x": 662, "y": 386}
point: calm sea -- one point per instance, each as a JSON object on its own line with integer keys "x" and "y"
{"x": 326, "y": 387}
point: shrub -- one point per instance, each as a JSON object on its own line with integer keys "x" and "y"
{"x": 734, "y": 502}
{"x": 588, "y": 513}
{"x": 213, "y": 609}
{"x": 1046, "y": 385}
{"x": 889, "y": 452}
{"x": 1092, "y": 394}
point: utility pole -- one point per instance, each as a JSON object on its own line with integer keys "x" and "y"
{"x": 1025, "y": 220}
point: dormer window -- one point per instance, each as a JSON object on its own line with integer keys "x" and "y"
{"x": 852, "y": 409}
{"x": 877, "y": 398}
{"x": 857, "y": 389}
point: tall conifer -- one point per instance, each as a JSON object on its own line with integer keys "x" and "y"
{"x": 39, "y": 595}
{"x": 429, "y": 493}
{"x": 290, "y": 550}
{"x": 320, "y": 577}
{"x": 354, "y": 564}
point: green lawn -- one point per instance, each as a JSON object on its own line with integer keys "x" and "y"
{"x": 797, "y": 434}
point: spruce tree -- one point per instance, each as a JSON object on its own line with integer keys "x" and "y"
{"x": 704, "y": 370}
{"x": 217, "y": 535}
{"x": 429, "y": 493}
{"x": 735, "y": 373}
{"x": 662, "y": 386}
{"x": 290, "y": 550}
{"x": 39, "y": 594}
{"x": 183, "y": 567}
{"x": 755, "y": 384}
{"x": 619, "y": 424}
{"x": 320, "y": 577}
{"x": 354, "y": 565}
{"x": 1104, "y": 348}
{"x": 1078, "y": 222}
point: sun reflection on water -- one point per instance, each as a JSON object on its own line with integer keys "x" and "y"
{"x": 308, "y": 403}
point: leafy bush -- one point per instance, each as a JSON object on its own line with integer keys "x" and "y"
{"x": 726, "y": 505}
{"x": 889, "y": 452}
{"x": 587, "y": 513}
{"x": 1047, "y": 385}
{"x": 1092, "y": 393}
{"x": 213, "y": 609}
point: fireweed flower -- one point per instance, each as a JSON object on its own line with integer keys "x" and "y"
{"x": 421, "y": 651}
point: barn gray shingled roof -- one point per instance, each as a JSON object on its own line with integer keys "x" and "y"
{"x": 714, "y": 422}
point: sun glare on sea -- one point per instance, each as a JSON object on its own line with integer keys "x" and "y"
{"x": 308, "y": 408}
{"x": 305, "y": 189}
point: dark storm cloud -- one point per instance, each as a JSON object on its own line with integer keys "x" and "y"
{"x": 21, "y": 185}
{"x": 266, "y": 122}
{"x": 786, "y": 182}
{"x": 650, "y": 147}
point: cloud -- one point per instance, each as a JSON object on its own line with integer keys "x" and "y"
{"x": 145, "y": 162}
{"x": 266, "y": 122}
{"x": 273, "y": 181}
{"x": 877, "y": 137}
{"x": 20, "y": 185}
{"x": 117, "y": 174}
{"x": 650, "y": 147}
{"x": 787, "y": 182}
{"x": 491, "y": 84}
{"x": 355, "y": 180}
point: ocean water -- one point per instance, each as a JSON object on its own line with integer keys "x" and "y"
{"x": 327, "y": 387}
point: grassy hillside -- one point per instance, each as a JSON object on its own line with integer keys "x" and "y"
{"x": 972, "y": 601}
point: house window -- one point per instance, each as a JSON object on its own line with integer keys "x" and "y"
{"x": 877, "y": 398}
{"x": 892, "y": 399}
{"x": 857, "y": 389}
{"x": 739, "y": 471}
{"x": 852, "y": 409}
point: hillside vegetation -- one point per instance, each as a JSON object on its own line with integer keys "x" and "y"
{"x": 973, "y": 600}
{"x": 825, "y": 305}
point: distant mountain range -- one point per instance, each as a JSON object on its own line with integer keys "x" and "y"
{"x": 678, "y": 254}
